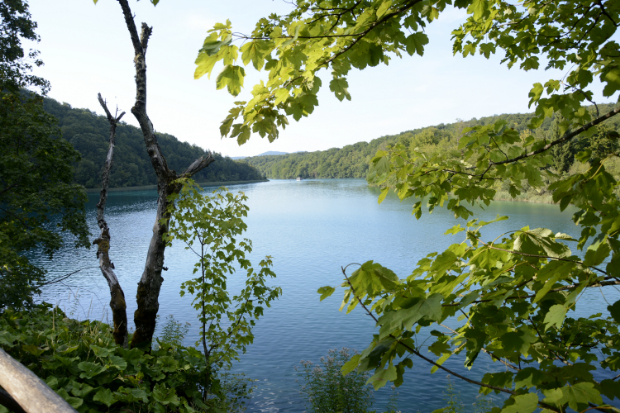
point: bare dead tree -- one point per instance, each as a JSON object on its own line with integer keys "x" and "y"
{"x": 117, "y": 302}
{"x": 151, "y": 280}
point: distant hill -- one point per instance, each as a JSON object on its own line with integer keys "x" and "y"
{"x": 261, "y": 154}
{"x": 272, "y": 153}
{"x": 352, "y": 161}
{"x": 88, "y": 133}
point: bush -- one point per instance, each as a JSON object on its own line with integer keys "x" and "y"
{"x": 80, "y": 361}
{"x": 326, "y": 390}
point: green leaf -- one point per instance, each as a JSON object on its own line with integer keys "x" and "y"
{"x": 597, "y": 253}
{"x": 383, "y": 8}
{"x": 75, "y": 402}
{"x": 579, "y": 395}
{"x": 118, "y": 362}
{"x": 232, "y": 78}
{"x": 340, "y": 88}
{"x": 351, "y": 365}
{"x": 165, "y": 395}
{"x": 205, "y": 64}
{"x": 281, "y": 96}
{"x": 105, "y": 396}
{"x": 614, "y": 310}
{"x": 555, "y": 316}
{"x": 256, "y": 51}
{"x": 405, "y": 318}
{"x": 90, "y": 370}
{"x": 525, "y": 403}
{"x": 383, "y": 194}
{"x": 326, "y": 292}
{"x": 415, "y": 43}
{"x": 383, "y": 376}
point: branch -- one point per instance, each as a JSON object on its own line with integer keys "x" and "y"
{"x": 117, "y": 302}
{"x": 540, "y": 256}
{"x": 145, "y": 36}
{"x": 493, "y": 356}
{"x": 565, "y": 288}
{"x": 64, "y": 277}
{"x": 468, "y": 380}
{"x": 567, "y": 136}
{"x": 158, "y": 161}
{"x": 198, "y": 165}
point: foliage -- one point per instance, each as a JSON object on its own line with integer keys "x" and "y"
{"x": 15, "y": 66}
{"x": 513, "y": 293}
{"x": 452, "y": 397}
{"x": 80, "y": 361}
{"x": 326, "y": 390}
{"x": 392, "y": 406}
{"x": 352, "y": 161}
{"x": 173, "y": 332}
{"x": 88, "y": 133}
{"x": 38, "y": 199}
{"x": 210, "y": 225}
{"x": 235, "y": 388}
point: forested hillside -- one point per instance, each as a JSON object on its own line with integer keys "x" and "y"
{"x": 352, "y": 161}
{"x": 88, "y": 133}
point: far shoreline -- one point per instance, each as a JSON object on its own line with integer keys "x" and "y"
{"x": 147, "y": 187}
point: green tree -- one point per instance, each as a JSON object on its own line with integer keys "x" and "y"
{"x": 563, "y": 155}
{"x": 210, "y": 227}
{"x": 513, "y": 293}
{"x": 38, "y": 199}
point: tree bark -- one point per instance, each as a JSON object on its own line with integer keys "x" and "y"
{"x": 151, "y": 280}
{"x": 27, "y": 390}
{"x": 117, "y": 302}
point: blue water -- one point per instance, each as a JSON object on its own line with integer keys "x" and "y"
{"x": 311, "y": 228}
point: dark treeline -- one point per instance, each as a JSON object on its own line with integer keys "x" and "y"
{"x": 88, "y": 133}
{"x": 352, "y": 161}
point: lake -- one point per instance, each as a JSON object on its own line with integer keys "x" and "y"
{"x": 311, "y": 228}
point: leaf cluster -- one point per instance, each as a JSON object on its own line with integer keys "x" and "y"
{"x": 38, "y": 198}
{"x": 80, "y": 361}
{"x": 513, "y": 296}
{"x": 326, "y": 390}
{"x": 211, "y": 225}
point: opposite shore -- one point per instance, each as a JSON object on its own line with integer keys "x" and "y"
{"x": 501, "y": 196}
{"x": 146, "y": 187}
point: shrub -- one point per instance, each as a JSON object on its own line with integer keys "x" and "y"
{"x": 80, "y": 361}
{"x": 326, "y": 390}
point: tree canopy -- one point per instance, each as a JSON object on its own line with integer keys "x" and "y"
{"x": 352, "y": 161}
{"x": 514, "y": 294}
{"x": 87, "y": 132}
{"x": 38, "y": 198}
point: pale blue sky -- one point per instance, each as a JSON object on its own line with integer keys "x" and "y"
{"x": 86, "y": 50}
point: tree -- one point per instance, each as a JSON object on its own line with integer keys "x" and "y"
{"x": 563, "y": 155}
{"x": 169, "y": 183}
{"x": 210, "y": 227}
{"x": 38, "y": 199}
{"x": 514, "y": 292}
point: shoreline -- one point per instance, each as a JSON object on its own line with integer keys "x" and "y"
{"x": 203, "y": 184}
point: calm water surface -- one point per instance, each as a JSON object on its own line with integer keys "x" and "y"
{"x": 311, "y": 228}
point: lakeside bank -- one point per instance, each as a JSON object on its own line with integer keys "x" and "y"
{"x": 142, "y": 188}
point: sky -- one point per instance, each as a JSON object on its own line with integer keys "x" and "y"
{"x": 87, "y": 50}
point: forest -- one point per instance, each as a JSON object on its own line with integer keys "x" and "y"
{"x": 87, "y": 132}
{"x": 352, "y": 161}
